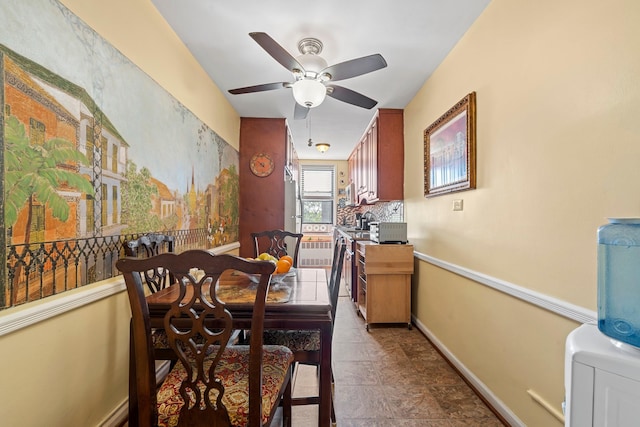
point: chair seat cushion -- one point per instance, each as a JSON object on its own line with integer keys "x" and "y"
{"x": 233, "y": 371}
{"x": 160, "y": 340}
{"x": 296, "y": 340}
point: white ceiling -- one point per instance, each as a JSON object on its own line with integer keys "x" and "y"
{"x": 414, "y": 36}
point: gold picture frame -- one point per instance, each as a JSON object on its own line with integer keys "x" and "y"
{"x": 450, "y": 150}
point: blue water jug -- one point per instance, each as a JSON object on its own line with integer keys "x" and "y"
{"x": 619, "y": 279}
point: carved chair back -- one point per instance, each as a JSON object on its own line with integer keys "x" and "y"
{"x": 147, "y": 246}
{"x": 195, "y": 312}
{"x": 277, "y": 243}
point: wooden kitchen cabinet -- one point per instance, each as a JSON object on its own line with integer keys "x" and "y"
{"x": 384, "y": 282}
{"x": 292, "y": 163}
{"x": 376, "y": 165}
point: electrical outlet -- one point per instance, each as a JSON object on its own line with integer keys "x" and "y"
{"x": 457, "y": 205}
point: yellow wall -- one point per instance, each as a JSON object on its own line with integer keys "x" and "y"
{"x": 137, "y": 29}
{"x": 75, "y": 365}
{"x": 70, "y": 370}
{"x": 557, "y": 93}
{"x": 557, "y": 152}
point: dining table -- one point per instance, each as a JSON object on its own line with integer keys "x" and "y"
{"x": 298, "y": 300}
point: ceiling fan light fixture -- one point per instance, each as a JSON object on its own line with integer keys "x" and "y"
{"x": 312, "y": 64}
{"x": 322, "y": 147}
{"x": 309, "y": 93}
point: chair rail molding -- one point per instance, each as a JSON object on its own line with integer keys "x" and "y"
{"x": 19, "y": 317}
{"x": 16, "y": 318}
{"x": 555, "y": 305}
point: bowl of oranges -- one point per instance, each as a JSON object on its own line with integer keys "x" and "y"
{"x": 284, "y": 268}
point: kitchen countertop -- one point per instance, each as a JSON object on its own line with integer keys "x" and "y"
{"x": 352, "y": 233}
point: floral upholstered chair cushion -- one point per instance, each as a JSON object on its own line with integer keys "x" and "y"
{"x": 210, "y": 383}
{"x": 233, "y": 371}
{"x": 296, "y": 340}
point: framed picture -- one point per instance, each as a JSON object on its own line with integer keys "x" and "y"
{"x": 450, "y": 150}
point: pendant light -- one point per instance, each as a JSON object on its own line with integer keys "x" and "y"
{"x": 320, "y": 146}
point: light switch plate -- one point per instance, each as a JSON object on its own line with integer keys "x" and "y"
{"x": 457, "y": 205}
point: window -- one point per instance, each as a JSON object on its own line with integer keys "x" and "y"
{"x": 37, "y": 223}
{"x": 90, "y": 214}
{"x": 104, "y": 152}
{"x": 317, "y": 184}
{"x": 36, "y": 132}
{"x": 104, "y": 201}
{"x": 90, "y": 145}
{"x": 114, "y": 158}
{"x": 114, "y": 204}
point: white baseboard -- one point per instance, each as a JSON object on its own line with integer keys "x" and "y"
{"x": 478, "y": 385}
{"x": 121, "y": 413}
{"x": 118, "y": 416}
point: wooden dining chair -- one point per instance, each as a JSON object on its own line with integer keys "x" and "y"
{"x": 277, "y": 243}
{"x": 214, "y": 383}
{"x": 147, "y": 246}
{"x": 156, "y": 279}
{"x": 306, "y": 344}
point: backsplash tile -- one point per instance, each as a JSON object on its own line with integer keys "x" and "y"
{"x": 381, "y": 211}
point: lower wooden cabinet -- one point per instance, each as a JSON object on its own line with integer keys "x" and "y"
{"x": 384, "y": 282}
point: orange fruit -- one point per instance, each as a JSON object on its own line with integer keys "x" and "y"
{"x": 282, "y": 266}
{"x": 288, "y": 258}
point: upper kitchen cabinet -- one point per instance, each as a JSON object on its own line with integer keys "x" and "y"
{"x": 292, "y": 163}
{"x": 376, "y": 165}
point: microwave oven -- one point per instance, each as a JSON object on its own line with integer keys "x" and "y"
{"x": 388, "y": 232}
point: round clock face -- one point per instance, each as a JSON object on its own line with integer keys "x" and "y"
{"x": 261, "y": 165}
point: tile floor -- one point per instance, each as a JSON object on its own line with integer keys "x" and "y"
{"x": 390, "y": 377}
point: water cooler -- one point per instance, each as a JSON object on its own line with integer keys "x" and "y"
{"x": 602, "y": 380}
{"x": 602, "y": 364}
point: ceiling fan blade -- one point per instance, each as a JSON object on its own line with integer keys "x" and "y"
{"x": 276, "y": 51}
{"x": 259, "y": 88}
{"x": 355, "y": 67}
{"x": 300, "y": 112}
{"x": 351, "y": 97}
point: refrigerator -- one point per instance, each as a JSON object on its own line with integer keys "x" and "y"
{"x": 292, "y": 207}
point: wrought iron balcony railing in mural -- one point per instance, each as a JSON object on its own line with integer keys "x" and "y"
{"x": 39, "y": 270}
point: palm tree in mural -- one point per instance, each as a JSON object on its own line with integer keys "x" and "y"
{"x": 32, "y": 173}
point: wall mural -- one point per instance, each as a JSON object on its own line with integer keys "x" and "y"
{"x": 93, "y": 147}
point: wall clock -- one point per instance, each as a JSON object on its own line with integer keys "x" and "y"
{"x": 261, "y": 164}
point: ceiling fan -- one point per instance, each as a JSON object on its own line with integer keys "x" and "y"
{"x": 313, "y": 79}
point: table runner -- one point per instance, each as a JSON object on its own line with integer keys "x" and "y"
{"x": 237, "y": 288}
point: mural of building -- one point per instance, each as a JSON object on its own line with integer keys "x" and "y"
{"x": 106, "y": 152}
{"x": 164, "y": 205}
{"x": 50, "y": 107}
{"x": 75, "y": 188}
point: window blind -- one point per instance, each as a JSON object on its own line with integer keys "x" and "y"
{"x": 317, "y": 189}
{"x": 317, "y": 181}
